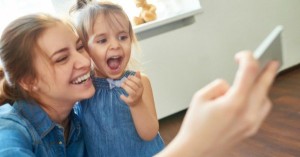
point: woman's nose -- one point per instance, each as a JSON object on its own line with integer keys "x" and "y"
{"x": 82, "y": 60}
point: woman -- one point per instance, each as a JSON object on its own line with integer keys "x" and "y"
{"x": 46, "y": 70}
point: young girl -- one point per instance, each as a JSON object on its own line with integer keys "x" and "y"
{"x": 120, "y": 119}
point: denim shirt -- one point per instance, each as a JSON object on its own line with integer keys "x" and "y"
{"x": 26, "y": 131}
{"x": 108, "y": 127}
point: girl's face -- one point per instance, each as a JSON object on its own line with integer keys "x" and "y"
{"x": 110, "y": 46}
{"x": 67, "y": 78}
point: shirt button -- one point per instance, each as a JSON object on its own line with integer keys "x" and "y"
{"x": 59, "y": 142}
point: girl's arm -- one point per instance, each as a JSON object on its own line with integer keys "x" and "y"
{"x": 141, "y": 103}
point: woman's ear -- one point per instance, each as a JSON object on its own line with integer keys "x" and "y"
{"x": 28, "y": 84}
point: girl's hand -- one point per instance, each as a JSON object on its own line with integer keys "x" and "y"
{"x": 134, "y": 87}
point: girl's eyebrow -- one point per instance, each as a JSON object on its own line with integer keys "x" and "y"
{"x": 124, "y": 31}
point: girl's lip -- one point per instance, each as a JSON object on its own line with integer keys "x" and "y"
{"x": 114, "y": 63}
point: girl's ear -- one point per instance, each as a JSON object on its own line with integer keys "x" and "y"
{"x": 28, "y": 84}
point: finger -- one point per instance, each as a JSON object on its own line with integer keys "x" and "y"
{"x": 138, "y": 74}
{"x": 262, "y": 85}
{"x": 125, "y": 99}
{"x": 262, "y": 113}
{"x": 129, "y": 83}
{"x": 130, "y": 91}
{"x": 213, "y": 90}
{"x": 266, "y": 78}
{"x": 134, "y": 81}
{"x": 245, "y": 76}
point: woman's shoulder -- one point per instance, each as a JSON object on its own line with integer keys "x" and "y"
{"x": 14, "y": 133}
{"x": 12, "y": 123}
{"x": 9, "y": 113}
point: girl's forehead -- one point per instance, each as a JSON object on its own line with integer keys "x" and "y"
{"x": 111, "y": 21}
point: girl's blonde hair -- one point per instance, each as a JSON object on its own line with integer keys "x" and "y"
{"x": 87, "y": 12}
{"x": 18, "y": 49}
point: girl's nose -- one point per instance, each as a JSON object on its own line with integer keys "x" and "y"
{"x": 114, "y": 44}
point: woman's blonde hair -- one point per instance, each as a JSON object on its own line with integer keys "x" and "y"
{"x": 18, "y": 49}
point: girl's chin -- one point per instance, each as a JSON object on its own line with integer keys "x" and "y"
{"x": 111, "y": 73}
{"x": 115, "y": 76}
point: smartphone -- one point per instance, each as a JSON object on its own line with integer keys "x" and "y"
{"x": 270, "y": 49}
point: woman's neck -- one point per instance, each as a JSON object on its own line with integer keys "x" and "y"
{"x": 58, "y": 115}
{"x": 57, "y": 111}
{"x": 61, "y": 116}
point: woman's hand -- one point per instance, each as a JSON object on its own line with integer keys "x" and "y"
{"x": 221, "y": 116}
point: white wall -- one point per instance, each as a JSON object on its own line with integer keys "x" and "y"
{"x": 181, "y": 61}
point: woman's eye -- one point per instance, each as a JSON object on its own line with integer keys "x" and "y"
{"x": 61, "y": 59}
{"x": 80, "y": 47}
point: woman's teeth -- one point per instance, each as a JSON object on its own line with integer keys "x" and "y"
{"x": 81, "y": 79}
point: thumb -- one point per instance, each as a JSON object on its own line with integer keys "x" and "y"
{"x": 138, "y": 74}
{"x": 213, "y": 90}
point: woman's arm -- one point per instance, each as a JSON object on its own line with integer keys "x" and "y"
{"x": 142, "y": 106}
{"x": 14, "y": 140}
{"x": 220, "y": 116}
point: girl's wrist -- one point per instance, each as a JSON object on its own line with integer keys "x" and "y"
{"x": 138, "y": 103}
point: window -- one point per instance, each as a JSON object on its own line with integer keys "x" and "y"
{"x": 11, "y": 9}
{"x": 167, "y": 10}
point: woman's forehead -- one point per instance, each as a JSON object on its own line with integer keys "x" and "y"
{"x": 55, "y": 38}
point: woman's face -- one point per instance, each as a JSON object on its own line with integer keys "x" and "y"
{"x": 67, "y": 78}
{"x": 110, "y": 47}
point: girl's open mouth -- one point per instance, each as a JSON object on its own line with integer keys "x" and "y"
{"x": 114, "y": 62}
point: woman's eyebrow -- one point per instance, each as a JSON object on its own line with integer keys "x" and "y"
{"x": 65, "y": 48}
{"x": 60, "y": 51}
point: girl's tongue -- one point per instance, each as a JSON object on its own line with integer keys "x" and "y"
{"x": 114, "y": 63}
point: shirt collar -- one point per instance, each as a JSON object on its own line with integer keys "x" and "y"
{"x": 36, "y": 116}
{"x": 42, "y": 122}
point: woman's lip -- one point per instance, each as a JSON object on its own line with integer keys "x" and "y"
{"x": 82, "y": 76}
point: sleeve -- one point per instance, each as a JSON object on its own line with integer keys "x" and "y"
{"x": 15, "y": 139}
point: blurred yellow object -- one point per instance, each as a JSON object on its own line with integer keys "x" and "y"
{"x": 148, "y": 12}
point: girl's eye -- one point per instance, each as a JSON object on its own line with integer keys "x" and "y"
{"x": 102, "y": 41}
{"x": 123, "y": 37}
